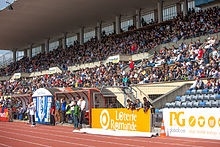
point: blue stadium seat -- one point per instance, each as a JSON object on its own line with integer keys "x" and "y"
{"x": 188, "y": 92}
{"x": 202, "y": 104}
{"x": 189, "y": 98}
{"x": 205, "y": 91}
{"x": 178, "y": 98}
{"x": 218, "y": 97}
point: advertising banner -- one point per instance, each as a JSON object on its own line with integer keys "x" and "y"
{"x": 4, "y": 114}
{"x": 17, "y": 75}
{"x": 192, "y": 122}
{"x": 43, "y": 106}
{"x": 121, "y": 119}
{"x": 52, "y": 70}
{"x": 114, "y": 59}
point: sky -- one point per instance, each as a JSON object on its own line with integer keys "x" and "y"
{"x": 3, "y": 5}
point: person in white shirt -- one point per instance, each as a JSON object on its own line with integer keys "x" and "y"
{"x": 32, "y": 114}
{"x": 82, "y": 111}
{"x": 72, "y": 108}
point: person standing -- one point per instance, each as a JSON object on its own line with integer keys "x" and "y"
{"x": 82, "y": 111}
{"x": 57, "y": 111}
{"x": 72, "y": 109}
{"x": 32, "y": 113}
{"x": 63, "y": 110}
{"x": 68, "y": 111}
{"x": 52, "y": 117}
{"x": 147, "y": 104}
{"x": 76, "y": 115}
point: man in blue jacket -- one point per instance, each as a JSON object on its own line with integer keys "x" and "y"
{"x": 63, "y": 110}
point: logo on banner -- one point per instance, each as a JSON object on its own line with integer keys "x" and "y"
{"x": 104, "y": 119}
{"x": 176, "y": 117}
{"x": 211, "y": 122}
{"x": 219, "y": 122}
{"x": 201, "y": 121}
{"x": 192, "y": 121}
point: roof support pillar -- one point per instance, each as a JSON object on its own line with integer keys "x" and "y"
{"x": 160, "y": 11}
{"x": 43, "y": 48}
{"x": 47, "y": 42}
{"x": 185, "y": 7}
{"x": 138, "y": 18}
{"x": 118, "y": 24}
{"x": 81, "y": 35}
{"x": 178, "y": 8}
{"x": 98, "y": 30}
{"x": 30, "y": 51}
{"x": 14, "y": 55}
{"x": 64, "y": 41}
{"x": 25, "y": 53}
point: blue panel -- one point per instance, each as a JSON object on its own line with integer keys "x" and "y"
{"x": 201, "y": 2}
{"x": 43, "y": 105}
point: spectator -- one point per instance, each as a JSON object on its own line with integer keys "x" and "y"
{"x": 63, "y": 110}
{"x": 52, "y": 115}
{"x": 198, "y": 84}
{"x": 147, "y": 104}
{"x": 138, "y": 104}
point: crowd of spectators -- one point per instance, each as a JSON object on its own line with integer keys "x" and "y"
{"x": 182, "y": 27}
{"x": 185, "y": 62}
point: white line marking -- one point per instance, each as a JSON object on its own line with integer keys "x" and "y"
{"x": 126, "y": 139}
{"x": 1, "y": 144}
{"x": 123, "y": 144}
{"x": 30, "y": 142}
{"x": 44, "y": 138}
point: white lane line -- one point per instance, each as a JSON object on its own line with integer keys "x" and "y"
{"x": 44, "y": 138}
{"x": 30, "y": 142}
{"x": 1, "y": 144}
{"x": 118, "y": 138}
{"x": 122, "y": 144}
{"x": 153, "y": 142}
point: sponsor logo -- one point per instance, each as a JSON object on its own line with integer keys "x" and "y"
{"x": 211, "y": 122}
{"x": 176, "y": 117}
{"x": 104, "y": 119}
{"x": 192, "y": 121}
{"x": 201, "y": 121}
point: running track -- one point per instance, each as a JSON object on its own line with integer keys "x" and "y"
{"x": 20, "y": 134}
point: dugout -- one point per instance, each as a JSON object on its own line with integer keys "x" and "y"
{"x": 43, "y": 98}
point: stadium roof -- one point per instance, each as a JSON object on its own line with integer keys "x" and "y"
{"x": 33, "y": 21}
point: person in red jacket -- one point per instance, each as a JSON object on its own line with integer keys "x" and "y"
{"x": 200, "y": 53}
{"x": 52, "y": 115}
{"x": 131, "y": 65}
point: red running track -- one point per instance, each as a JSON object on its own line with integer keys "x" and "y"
{"x": 20, "y": 134}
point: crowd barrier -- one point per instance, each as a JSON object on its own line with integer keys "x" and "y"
{"x": 4, "y": 115}
{"x": 121, "y": 119}
{"x": 192, "y": 122}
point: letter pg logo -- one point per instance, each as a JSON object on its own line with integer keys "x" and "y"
{"x": 174, "y": 116}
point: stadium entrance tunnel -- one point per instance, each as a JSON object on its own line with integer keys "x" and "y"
{"x": 44, "y": 98}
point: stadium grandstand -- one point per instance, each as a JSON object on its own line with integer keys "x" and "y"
{"x": 140, "y": 68}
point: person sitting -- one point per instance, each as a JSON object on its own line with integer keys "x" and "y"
{"x": 198, "y": 84}
{"x": 139, "y": 105}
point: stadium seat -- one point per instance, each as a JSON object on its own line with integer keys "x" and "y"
{"x": 212, "y": 97}
{"x": 183, "y": 98}
{"x": 202, "y": 104}
{"x": 188, "y": 98}
{"x": 189, "y": 104}
{"x": 214, "y": 104}
{"x": 211, "y": 91}
{"x": 218, "y": 97}
{"x": 183, "y": 105}
{"x": 205, "y": 91}
{"x": 167, "y": 105}
{"x": 206, "y": 97}
{"x": 208, "y": 104}
{"x": 188, "y": 92}
{"x": 193, "y": 91}
{"x": 177, "y": 104}
{"x": 195, "y": 104}
{"x": 199, "y": 91}
{"x": 200, "y": 97}
{"x": 194, "y": 97}
{"x": 178, "y": 98}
